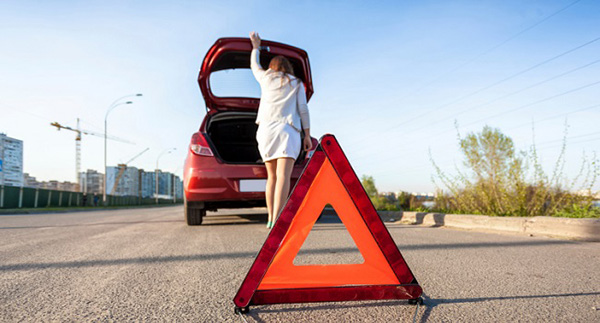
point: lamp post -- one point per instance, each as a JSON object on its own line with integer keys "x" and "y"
{"x": 166, "y": 151}
{"x": 115, "y": 104}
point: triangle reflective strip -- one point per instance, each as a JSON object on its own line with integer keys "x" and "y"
{"x": 273, "y": 278}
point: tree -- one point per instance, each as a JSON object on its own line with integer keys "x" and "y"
{"x": 490, "y": 155}
{"x": 496, "y": 180}
{"x": 369, "y": 184}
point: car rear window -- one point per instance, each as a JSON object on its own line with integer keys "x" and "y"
{"x": 237, "y": 82}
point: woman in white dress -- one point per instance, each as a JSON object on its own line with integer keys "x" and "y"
{"x": 282, "y": 114}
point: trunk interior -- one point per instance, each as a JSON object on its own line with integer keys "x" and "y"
{"x": 233, "y": 135}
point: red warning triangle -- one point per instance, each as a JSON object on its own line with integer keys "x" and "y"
{"x": 327, "y": 179}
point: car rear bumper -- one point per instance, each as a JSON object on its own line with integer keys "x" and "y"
{"x": 223, "y": 183}
{"x": 207, "y": 180}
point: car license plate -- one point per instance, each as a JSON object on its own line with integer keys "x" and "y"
{"x": 253, "y": 185}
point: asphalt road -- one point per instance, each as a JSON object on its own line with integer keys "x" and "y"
{"x": 147, "y": 265}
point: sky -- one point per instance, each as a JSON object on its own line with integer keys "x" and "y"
{"x": 396, "y": 82}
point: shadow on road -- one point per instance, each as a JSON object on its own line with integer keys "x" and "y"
{"x": 254, "y": 218}
{"x": 251, "y": 255}
{"x": 250, "y": 218}
{"x": 324, "y": 306}
{"x": 431, "y": 303}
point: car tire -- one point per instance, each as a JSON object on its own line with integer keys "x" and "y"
{"x": 193, "y": 216}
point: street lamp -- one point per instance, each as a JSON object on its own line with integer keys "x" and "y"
{"x": 115, "y": 104}
{"x": 166, "y": 151}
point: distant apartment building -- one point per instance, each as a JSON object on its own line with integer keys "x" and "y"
{"x": 423, "y": 196}
{"x": 30, "y": 181}
{"x": 68, "y": 186}
{"x": 146, "y": 183}
{"x": 59, "y": 186}
{"x": 91, "y": 181}
{"x": 168, "y": 184}
{"x": 122, "y": 180}
{"x": 50, "y": 185}
{"x": 178, "y": 187}
{"x": 165, "y": 185}
{"x": 132, "y": 182}
{"x": 11, "y": 161}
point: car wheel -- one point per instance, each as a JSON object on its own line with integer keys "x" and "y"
{"x": 193, "y": 216}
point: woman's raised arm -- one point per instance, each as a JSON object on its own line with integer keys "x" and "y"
{"x": 302, "y": 105}
{"x": 304, "y": 115}
{"x": 257, "y": 70}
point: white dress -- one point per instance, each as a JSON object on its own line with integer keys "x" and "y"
{"x": 277, "y": 140}
{"x": 282, "y": 112}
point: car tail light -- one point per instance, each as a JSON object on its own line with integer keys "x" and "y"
{"x": 199, "y": 145}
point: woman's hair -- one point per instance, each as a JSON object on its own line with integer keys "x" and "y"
{"x": 281, "y": 64}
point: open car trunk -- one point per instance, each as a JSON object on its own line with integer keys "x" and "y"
{"x": 234, "y": 53}
{"x": 233, "y": 137}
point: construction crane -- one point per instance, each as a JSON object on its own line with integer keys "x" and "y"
{"x": 122, "y": 168}
{"x": 79, "y": 132}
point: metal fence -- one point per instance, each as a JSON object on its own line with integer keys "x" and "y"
{"x": 12, "y": 197}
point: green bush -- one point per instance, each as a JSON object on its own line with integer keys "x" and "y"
{"x": 579, "y": 211}
{"x": 502, "y": 182}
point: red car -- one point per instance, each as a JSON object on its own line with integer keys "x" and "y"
{"x": 223, "y": 168}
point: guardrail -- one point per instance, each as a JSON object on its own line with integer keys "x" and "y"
{"x": 12, "y": 197}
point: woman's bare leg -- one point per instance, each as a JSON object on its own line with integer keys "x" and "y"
{"x": 270, "y": 189}
{"x": 282, "y": 184}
